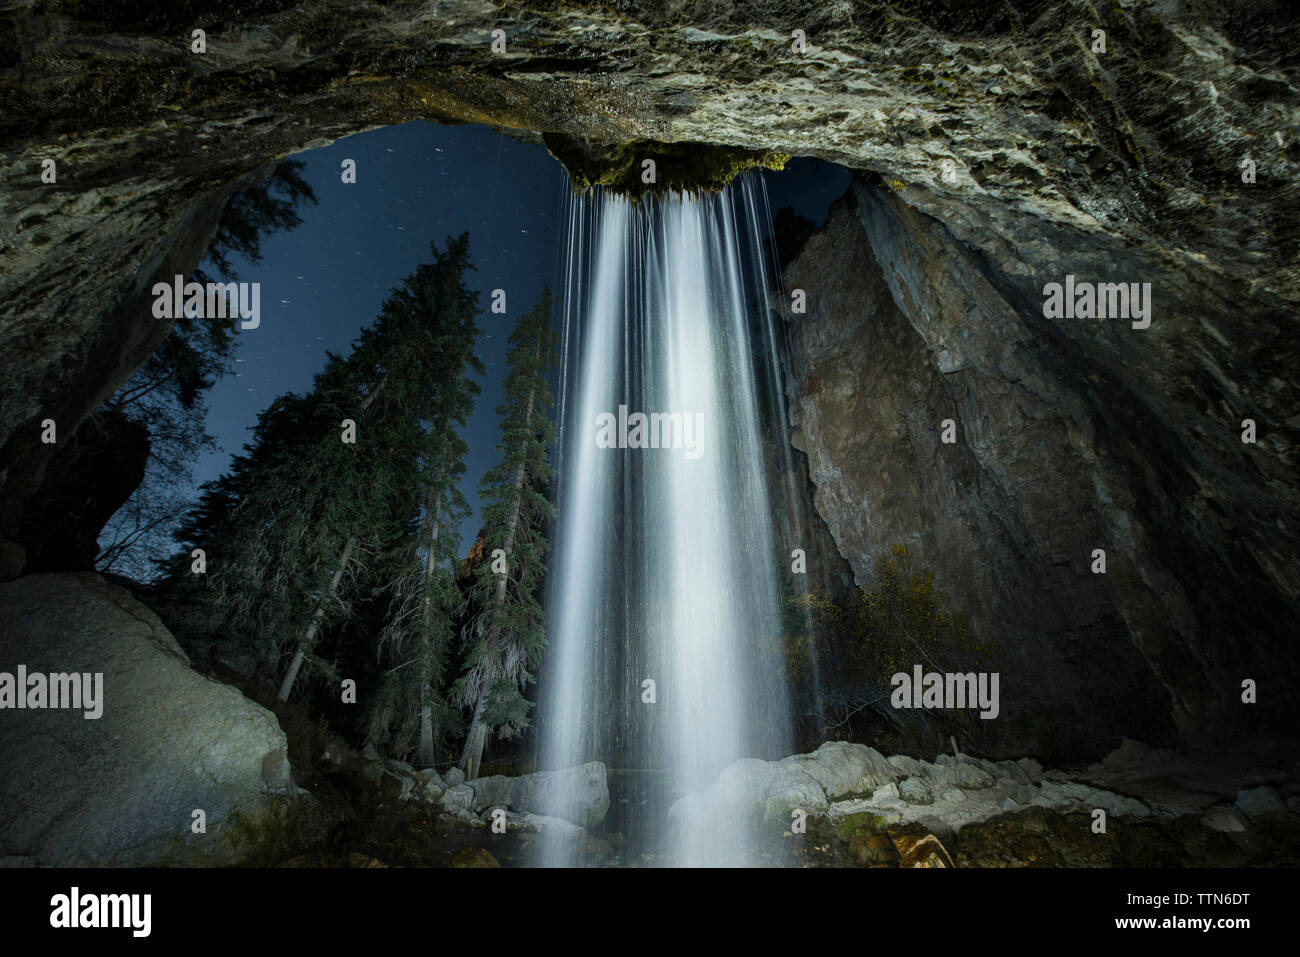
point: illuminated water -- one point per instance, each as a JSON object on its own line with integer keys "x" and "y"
{"x": 667, "y": 565}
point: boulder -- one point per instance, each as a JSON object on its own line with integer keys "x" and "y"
{"x": 908, "y": 766}
{"x": 843, "y": 768}
{"x": 1033, "y": 770}
{"x": 122, "y": 788}
{"x": 579, "y": 795}
{"x": 792, "y": 790}
{"x": 972, "y": 777}
{"x": 1224, "y": 818}
{"x": 1254, "y": 802}
{"x": 460, "y": 796}
{"x": 915, "y": 791}
{"x": 1012, "y": 772}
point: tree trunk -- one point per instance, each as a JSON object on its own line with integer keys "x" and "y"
{"x": 313, "y": 626}
{"x": 478, "y": 732}
{"x": 427, "y": 756}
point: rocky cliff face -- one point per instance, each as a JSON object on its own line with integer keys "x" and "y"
{"x": 1069, "y": 436}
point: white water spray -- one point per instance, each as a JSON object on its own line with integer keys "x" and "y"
{"x": 667, "y": 566}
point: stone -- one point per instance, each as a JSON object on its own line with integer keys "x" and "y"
{"x": 1033, "y": 770}
{"x": 843, "y": 768}
{"x": 885, "y": 792}
{"x": 429, "y": 785}
{"x": 1077, "y": 792}
{"x": 792, "y": 790}
{"x": 579, "y": 795}
{"x": 120, "y": 789}
{"x": 453, "y": 777}
{"x": 276, "y": 772}
{"x": 954, "y": 795}
{"x": 915, "y": 791}
{"x": 459, "y": 796}
{"x": 970, "y": 777}
{"x": 1224, "y": 818}
{"x": 1256, "y": 802}
{"x": 1012, "y": 771}
{"x": 906, "y": 766}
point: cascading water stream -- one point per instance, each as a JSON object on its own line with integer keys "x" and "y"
{"x": 668, "y": 563}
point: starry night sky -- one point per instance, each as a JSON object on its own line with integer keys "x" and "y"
{"x": 417, "y": 183}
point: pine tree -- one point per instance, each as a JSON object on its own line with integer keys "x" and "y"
{"x": 307, "y": 520}
{"x": 506, "y": 636}
{"x": 409, "y": 709}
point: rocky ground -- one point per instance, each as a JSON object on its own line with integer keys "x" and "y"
{"x": 1162, "y": 809}
{"x": 122, "y": 789}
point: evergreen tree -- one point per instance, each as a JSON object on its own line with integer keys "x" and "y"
{"x": 409, "y": 708}
{"x": 306, "y": 519}
{"x": 506, "y": 635}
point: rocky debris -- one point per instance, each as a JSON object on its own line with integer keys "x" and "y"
{"x": 568, "y": 800}
{"x": 122, "y": 788}
{"x": 949, "y": 795}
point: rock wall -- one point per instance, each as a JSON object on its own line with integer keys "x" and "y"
{"x": 121, "y": 788}
{"x": 1070, "y": 436}
{"x": 1138, "y": 146}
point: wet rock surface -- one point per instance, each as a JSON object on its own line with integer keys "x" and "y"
{"x": 1069, "y": 436}
{"x": 1016, "y": 818}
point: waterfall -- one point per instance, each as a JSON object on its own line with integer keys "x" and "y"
{"x": 666, "y": 606}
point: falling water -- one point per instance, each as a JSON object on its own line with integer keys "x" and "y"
{"x": 668, "y": 562}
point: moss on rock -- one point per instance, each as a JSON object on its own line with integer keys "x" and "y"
{"x": 678, "y": 167}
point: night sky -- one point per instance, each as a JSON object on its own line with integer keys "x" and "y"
{"x": 417, "y": 183}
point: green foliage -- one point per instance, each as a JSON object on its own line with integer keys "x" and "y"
{"x": 276, "y": 528}
{"x": 899, "y": 619}
{"x": 506, "y": 635}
